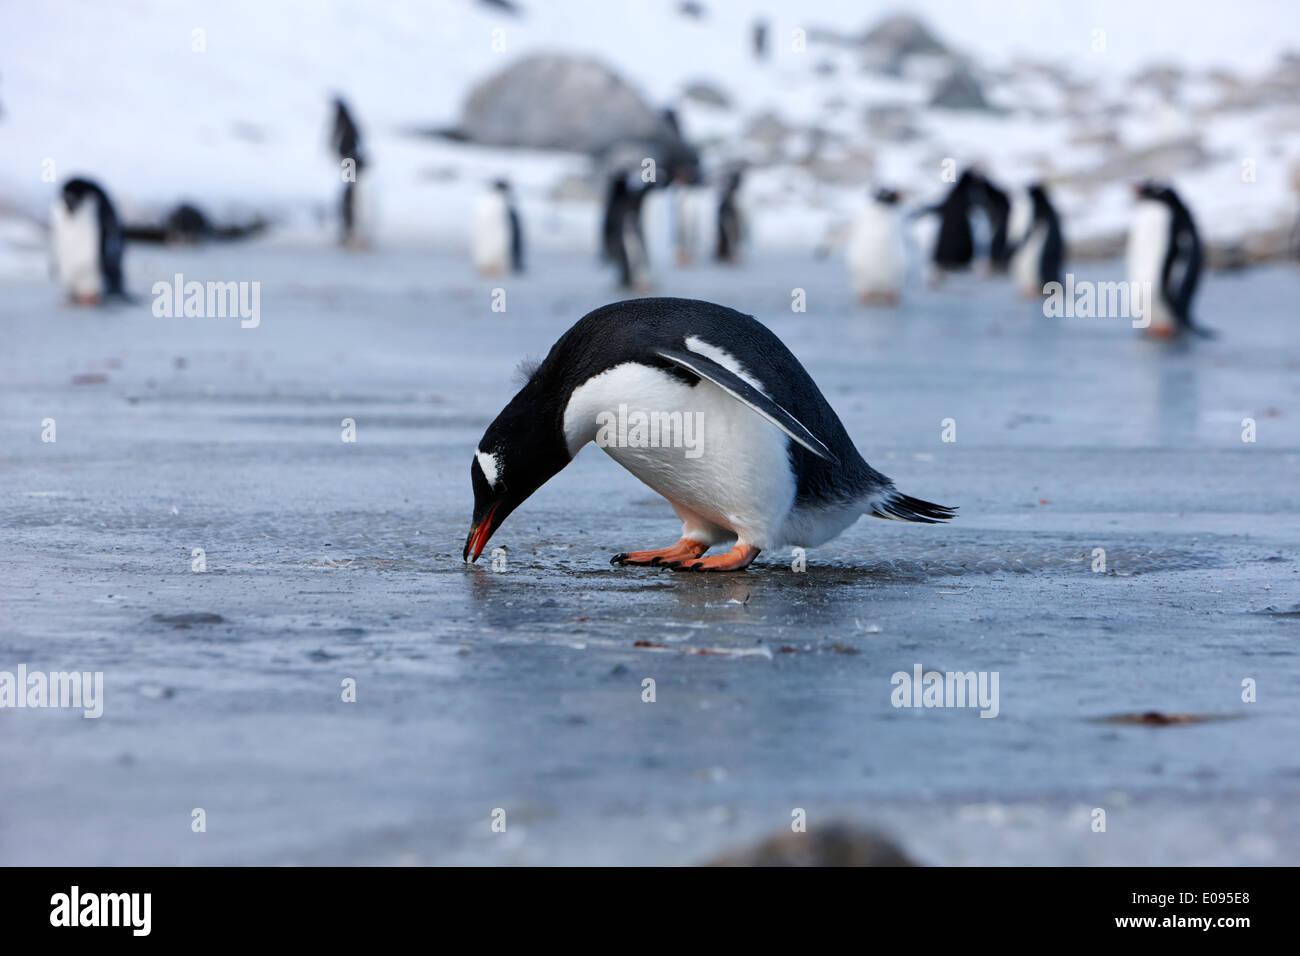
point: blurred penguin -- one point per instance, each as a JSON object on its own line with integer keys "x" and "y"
{"x": 877, "y": 253}
{"x": 86, "y": 243}
{"x": 758, "y": 39}
{"x": 954, "y": 245}
{"x": 688, "y": 208}
{"x": 355, "y": 206}
{"x": 1164, "y": 255}
{"x": 1038, "y": 248}
{"x": 622, "y": 237}
{"x": 997, "y": 209}
{"x": 731, "y": 224}
{"x": 498, "y": 235}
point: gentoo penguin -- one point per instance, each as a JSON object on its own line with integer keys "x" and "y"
{"x": 997, "y": 208}
{"x": 954, "y": 245}
{"x": 687, "y": 197}
{"x": 1164, "y": 254}
{"x": 1038, "y": 248}
{"x": 498, "y": 237}
{"x": 731, "y": 227}
{"x": 622, "y": 237}
{"x": 187, "y": 224}
{"x": 877, "y": 255}
{"x": 355, "y": 212}
{"x": 86, "y": 241}
{"x": 770, "y": 464}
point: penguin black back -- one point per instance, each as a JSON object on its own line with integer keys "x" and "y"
{"x": 729, "y": 220}
{"x": 79, "y": 190}
{"x": 346, "y": 136}
{"x": 637, "y": 330}
{"x": 1181, "y": 270}
{"x": 954, "y": 245}
{"x": 997, "y": 207}
{"x": 1053, "y": 254}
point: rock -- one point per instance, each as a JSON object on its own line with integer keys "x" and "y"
{"x": 903, "y": 35}
{"x": 890, "y": 43}
{"x": 558, "y": 102}
{"x": 959, "y": 90}
{"x": 891, "y": 122}
{"x": 707, "y": 94}
{"x": 768, "y": 129}
{"x": 573, "y": 188}
{"x": 836, "y": 844}
{"x": 188, "y": 620}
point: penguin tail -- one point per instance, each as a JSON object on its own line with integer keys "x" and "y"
{"x": 900, "y": 507}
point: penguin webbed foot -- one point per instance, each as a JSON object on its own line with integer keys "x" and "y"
{"x": 683, "y": 550}
{"x": 737, "y": 559}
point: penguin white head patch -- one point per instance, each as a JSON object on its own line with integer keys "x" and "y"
{"x": 491, "y": 466}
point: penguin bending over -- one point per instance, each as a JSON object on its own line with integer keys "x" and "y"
{"x": 770, "y": 465}
{"x": 498, "y": 235}
{"x": 877, "y": 254}
{"x": 86, "y": 242}
{"x": 1039, "y": 248}
{"x": 1164, "y": 255}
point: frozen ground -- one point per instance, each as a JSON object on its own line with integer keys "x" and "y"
{"x": 521, "y": 689}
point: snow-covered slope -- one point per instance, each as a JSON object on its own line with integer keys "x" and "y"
{"x": 226, "y": 104}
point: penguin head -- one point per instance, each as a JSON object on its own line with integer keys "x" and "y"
{"x": 75, "y": 190}
{"x": 887, "y": 197}
{"x": 501, "y": 185}
{"x": 1152, "y": 189}
{"x": 520, "y": 451}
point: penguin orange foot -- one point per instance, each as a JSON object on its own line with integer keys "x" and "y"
{"x": 737, "y": 559}
{"x": 683, "y": 550}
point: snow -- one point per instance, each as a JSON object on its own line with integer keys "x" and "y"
{"x": 234, "y": 116}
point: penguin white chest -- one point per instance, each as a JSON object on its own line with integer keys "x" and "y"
{"x": 1026, "y": 262}
{"x": 1148, "y": 245}
{"x": 704, "y": 451}
{"x": 877, "y": 257}
{"x": 75, "y": 238}
{"x": 491, "y": 233}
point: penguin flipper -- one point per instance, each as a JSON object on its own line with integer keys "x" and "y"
{"x": 747, "y": 394}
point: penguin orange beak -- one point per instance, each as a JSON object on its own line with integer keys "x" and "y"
{"x": 478, "y": 536}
